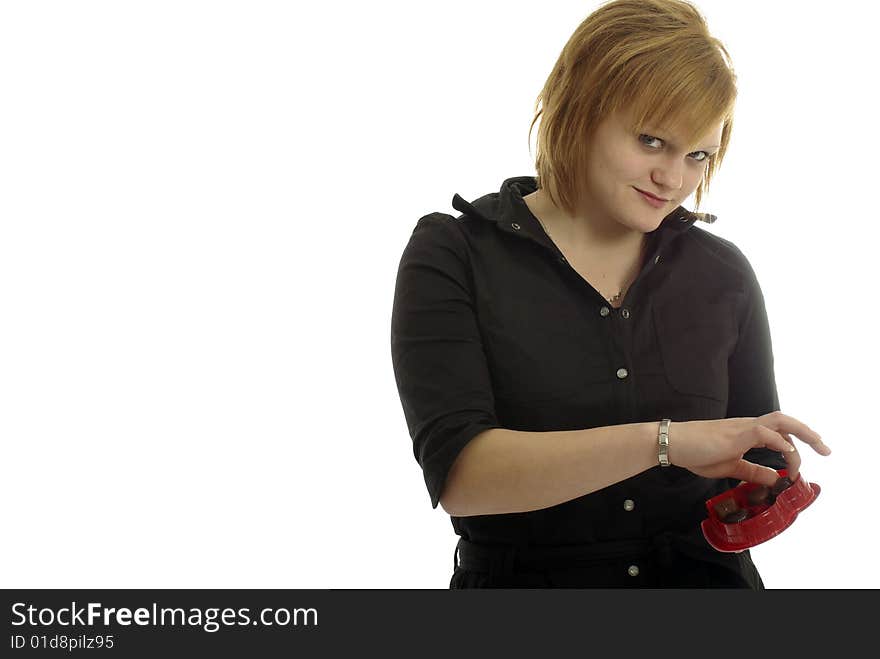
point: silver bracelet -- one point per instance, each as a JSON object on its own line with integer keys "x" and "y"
{"x": 663, "y": 443}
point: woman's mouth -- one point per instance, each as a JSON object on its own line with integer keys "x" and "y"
{"x": 656, "y": 202}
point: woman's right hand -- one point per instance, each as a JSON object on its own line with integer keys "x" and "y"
{"x": 715, "y": 448}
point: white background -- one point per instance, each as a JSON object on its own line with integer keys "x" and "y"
{"x": 202, "y": 210}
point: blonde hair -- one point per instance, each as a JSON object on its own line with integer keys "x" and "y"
{"x": 654, "y": 58}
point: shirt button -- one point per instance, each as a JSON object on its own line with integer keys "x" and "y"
{"x": 656, "y": 260}
{"x": 628, "y": 505}
{"x": 604, "y": 311}
{"x": 625, "y": 313}
{"x": 633, "y": 570}
{"x": 515, "y": 226}
{"x": 622, "y": 373}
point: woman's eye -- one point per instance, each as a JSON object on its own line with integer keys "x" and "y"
{"x": 648, "y": 139}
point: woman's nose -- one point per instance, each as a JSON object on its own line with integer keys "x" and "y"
{"x": 668, "y": 176}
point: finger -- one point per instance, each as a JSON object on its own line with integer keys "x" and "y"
{"x": 792, "y": 459}
{"x": 762, "y": 436}
{"x": 802, "y": 431}
{"x": 754, "y": 473}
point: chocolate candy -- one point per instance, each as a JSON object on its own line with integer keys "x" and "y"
{"x": 726, "y": 506}
{"x": 782, "y": 484}
{"x": 735, "y": 516}
{"x": 759, "y": 495}
{"x": 729, "y": 512}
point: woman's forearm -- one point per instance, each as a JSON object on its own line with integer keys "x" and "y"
{"x": 508, "y": 471}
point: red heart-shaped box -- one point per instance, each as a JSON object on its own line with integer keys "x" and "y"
{"x": 765, "y": 521}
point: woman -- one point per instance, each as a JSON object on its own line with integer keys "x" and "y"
{"x": 580, "y": 366}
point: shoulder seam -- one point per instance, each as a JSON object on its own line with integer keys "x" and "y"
{"x": 703, "y": 239}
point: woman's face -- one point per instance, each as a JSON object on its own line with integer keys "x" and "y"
{"x": 623, "y": 162}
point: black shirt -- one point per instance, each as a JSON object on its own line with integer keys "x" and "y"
{"x": 492, "y": 328}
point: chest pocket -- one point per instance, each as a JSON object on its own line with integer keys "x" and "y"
{"x": 696, "y": 340}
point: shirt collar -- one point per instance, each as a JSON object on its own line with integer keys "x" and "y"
{"x": 507, "y": 209}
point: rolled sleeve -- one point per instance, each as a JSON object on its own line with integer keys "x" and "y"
{"x": 436, "y": 350}
{"x": 750, "y": 367}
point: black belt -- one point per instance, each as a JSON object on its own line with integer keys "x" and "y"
{"x": 508, "y": 558}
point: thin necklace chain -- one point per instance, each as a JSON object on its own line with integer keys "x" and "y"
{"x": 613, "y": 299}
